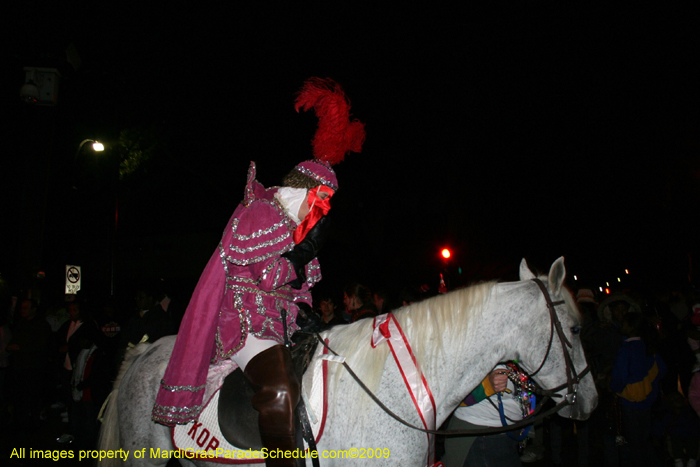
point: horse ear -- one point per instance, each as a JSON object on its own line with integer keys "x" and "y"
{"x": 525, "y": 273}
{"x": 557, "y": 273}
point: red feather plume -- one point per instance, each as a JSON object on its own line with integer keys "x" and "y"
{"x": 336, "y": 134}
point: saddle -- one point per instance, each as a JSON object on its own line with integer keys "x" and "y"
{"x": 238, "y": 420}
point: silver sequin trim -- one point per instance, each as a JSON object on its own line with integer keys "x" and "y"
{"x": 242, "y": 288}
{"x": 258, "y": 233}
{"x": 267, "y": 270}
{"x": 181, "y": 388}
{"x": 277, "y": 276}
{"x": 179, "y": 415}
{"x": 222, "y": 255}
{"x": 316, "y": 177}
{"x": 259, "y": 304}
{"x": 257, "y": 259}
{"x": 265, "y": 244}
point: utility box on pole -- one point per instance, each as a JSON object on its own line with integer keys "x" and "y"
{"x": 40, "y": 86}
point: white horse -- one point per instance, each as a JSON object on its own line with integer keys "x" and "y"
{"x": 457, "y": 339}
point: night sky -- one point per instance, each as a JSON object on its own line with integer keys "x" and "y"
{"x": 529, "y": 129}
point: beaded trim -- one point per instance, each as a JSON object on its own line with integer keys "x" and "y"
{"x": 220, "y": 353}
{"x": 222, "y": 255}
{"x": 257, "y": 234}
{"x": 313, "y": 274}
{"x": 180, "y": 415}
{"x": 317, "y": 177}
{"x": 257, "y": 259}
{"x": 243, "y": 288}
{"x": 265, "y": 244}
{"x": 181, "y": 388}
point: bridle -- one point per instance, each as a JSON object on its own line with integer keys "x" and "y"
{"x": 572, "y": 378}
{"x": 572, "y": 381}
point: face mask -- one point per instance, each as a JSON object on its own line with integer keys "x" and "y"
{"x": 291, "y": 199}
{"x": 317, "y": 208}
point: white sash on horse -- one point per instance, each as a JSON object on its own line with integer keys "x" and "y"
{"x": 386, "y": 328}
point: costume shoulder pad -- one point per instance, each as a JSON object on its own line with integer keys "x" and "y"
{"x": 253, "y": 188}
{"x": 259, "y": 230}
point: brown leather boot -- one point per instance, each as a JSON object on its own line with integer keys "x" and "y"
{"x": 272, "y": 377}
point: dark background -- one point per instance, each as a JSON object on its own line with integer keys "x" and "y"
{"x": 526, "y": 129}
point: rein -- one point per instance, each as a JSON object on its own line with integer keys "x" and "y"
{"x": 572, "y": 380}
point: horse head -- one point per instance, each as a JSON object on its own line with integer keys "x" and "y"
{"x": 556, "y": 361}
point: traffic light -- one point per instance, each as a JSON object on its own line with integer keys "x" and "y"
{"x": 445, "y": 253}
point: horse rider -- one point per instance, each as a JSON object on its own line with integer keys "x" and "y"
{"x": 264, "y": 267}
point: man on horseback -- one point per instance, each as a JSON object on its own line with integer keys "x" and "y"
{"x": 249, "y": 294}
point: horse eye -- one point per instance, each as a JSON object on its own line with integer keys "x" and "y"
{"x": 575, "y": 330}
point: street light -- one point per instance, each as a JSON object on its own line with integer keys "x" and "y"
{"x": 96, "y": 146}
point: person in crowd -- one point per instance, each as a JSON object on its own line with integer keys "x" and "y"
{"x": 635, "y": 379}
{"x": 603, "y": 343}
{"x": 150, "y": 319}
{"x": 90, "y": 385}
{"x": 327, "y": 311}
{"x": 5, "y": 338}
{"x": 79, "y": 326}
{"x": 585, "y": 298}
{"x": 678, "y": 427}
{"x": 409, "y": 295}
{"x": 29, "y": 353}
{"x": 358, "y": 302}
{"x": 673, "y": 343}
{"x": 381, "y": 300}
{"x": 693, "y": 339}
{"x": 480, "y": 409}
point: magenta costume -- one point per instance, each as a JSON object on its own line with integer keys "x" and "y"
{"x": 241, "y": 291}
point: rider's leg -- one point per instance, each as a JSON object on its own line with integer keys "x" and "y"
{"x": 272, "y": 377}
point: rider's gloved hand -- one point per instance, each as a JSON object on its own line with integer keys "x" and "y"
{"x": 307, "y": 250}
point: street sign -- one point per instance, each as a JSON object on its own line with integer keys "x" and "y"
{"x": 73, "y": 278}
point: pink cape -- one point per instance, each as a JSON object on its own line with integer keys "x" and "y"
{"x": 241, "y": 291}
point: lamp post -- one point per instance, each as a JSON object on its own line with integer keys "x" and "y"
{"x": 96, "y": 146}
{"x": 99, "y": 147}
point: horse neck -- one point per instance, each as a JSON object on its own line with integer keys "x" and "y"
{"x": 467, "y": 360}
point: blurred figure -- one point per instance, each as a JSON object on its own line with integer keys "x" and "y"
{"x": 327, "y": 311}
{"x": 5, "y": 339}
{"x": 358, "y": 302}
{"x": 29, "y": 352}
{"x": 585, "y": 298}
{"x": 110, "y": 324}
{"x": 478, "y": 410}
{"x": 149, "y": 320}
{"x": 693, "y": 334}
{"x": 381, "y": 301}
{"x": 679, "y": 427}
{"x": 635, "y": 378}
{"x": 90, "y": 385}
{"x": 79, "y": 327}
{"x": 603, "y": 342}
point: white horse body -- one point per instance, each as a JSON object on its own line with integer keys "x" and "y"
{"x": 457, "y": 339}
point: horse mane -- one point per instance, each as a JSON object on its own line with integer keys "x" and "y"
{"x": 426, "y": 325}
